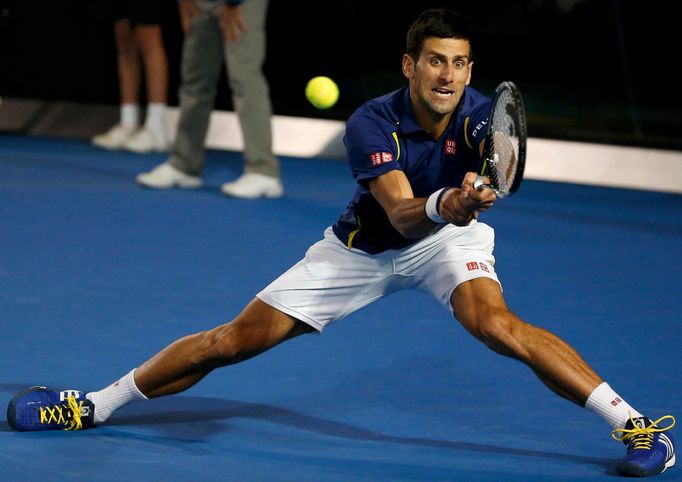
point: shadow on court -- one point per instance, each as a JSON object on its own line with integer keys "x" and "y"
{"x": 168, "y": 412}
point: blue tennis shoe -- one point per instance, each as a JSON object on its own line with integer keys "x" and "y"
{"x": 649, "y": 450}
{"x": 39, "y": 408}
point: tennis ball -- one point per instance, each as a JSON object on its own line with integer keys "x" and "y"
{"x": 322, "y": 92}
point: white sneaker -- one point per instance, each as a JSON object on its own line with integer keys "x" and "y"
{"x": 165, "y": 176}
{"x": 114, "y": 138}
{"x": 145, "y": 140}
{"x": 253, "y": 185}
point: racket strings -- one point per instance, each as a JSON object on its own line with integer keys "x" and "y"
{"x": 505, "y": 142}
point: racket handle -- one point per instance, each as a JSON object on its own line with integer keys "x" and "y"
{"x": 480, "y": 184}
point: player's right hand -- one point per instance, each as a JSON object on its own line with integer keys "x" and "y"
{"x": 460, "y": 205}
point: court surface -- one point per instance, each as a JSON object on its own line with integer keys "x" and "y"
{"x": 97, "y": 275}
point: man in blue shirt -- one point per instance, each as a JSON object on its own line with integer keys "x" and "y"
{"x": 411, "y": 225}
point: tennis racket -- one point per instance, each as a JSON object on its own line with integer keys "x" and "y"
{"x": 504, "y": 148}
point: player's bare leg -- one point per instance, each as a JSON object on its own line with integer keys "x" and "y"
{"x": 183, "y": 363}
{"x": 481, "y": 309}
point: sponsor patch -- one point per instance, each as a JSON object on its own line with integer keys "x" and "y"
{"x": 379, "y": 158}
{"x": 450, "y": 147}
{"x": 484, "y": 267}
{"x": 472, "y": 265}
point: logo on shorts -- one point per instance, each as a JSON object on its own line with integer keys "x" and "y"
{"x": 379, "y": 158}
{"x": 472, "y": 265}
{"x": 450, "y": 147}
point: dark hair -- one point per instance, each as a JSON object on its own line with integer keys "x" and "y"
{"x": 437, "y": 22}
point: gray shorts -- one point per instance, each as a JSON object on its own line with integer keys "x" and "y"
{"x": 332, "y": 281}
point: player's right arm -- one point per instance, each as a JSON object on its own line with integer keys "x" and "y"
{"x": 407, "y": 213}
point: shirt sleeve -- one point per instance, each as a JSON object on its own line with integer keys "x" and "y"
{"x": 477, "y": 127}
{"x": 371, "y": 148}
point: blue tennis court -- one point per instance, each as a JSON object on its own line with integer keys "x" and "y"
{"x": 98, "y": 274}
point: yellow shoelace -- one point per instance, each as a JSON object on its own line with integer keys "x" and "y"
{"x": 642, "y": 438}
{"x": 56, "y": 414}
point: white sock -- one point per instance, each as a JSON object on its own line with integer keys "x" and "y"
{"x": 130, "y": 116}
{"x": 610, "y": 406}
{"x": 156, "y": 117}
{"x": 115, "y": 396}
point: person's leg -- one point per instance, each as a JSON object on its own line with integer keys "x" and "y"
{"x": 183, "y": 363}
{"x": 478, "y": 304}
{"x": 480, "y": 307}
{"x": 250, "y": 91}
{"x": 150, "y": 43}
{"x": 202, "y": 60}
{"x": 129, "y": 73}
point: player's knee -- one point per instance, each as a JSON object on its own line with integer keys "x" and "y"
{"x": 500, "y": 330}
{"x": 220, "y": 346}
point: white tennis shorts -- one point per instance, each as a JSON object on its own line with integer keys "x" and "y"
{"x": 332, "y": 281}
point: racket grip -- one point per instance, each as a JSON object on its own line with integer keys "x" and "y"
{"x": 480, "y": 184}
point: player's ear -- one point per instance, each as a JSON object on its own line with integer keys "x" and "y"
{"x": 408, "y": 66}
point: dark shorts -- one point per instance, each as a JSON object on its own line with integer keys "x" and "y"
{"x": 140, "y": 12}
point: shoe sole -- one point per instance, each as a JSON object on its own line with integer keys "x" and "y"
{"x": 636, "y": 470}
{"x": 266, "y": 194}
{"x": 145, "y": 151}
{"x": 107, "y": 147}
{"x": 181, "y": 184}
{"x": 172, "y": 186}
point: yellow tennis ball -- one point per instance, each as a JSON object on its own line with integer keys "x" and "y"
{"x": 322, "y": 92}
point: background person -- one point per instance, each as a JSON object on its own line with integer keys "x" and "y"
{"x": 140, "y": 47}
{"x": 215, "y": 33}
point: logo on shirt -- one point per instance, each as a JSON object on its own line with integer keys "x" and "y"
{"x": 450, "y": 147}
{"x": 479, "y": 127}
{"x": 379, "y": 158}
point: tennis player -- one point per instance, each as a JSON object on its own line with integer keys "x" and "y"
{"x": 411, "y": 225}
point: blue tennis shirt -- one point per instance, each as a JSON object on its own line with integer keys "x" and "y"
{"x": 383, "y": 135}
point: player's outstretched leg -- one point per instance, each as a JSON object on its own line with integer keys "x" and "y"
{"x": 649, "y": 450}
{"x": 39, "y": 408}
{"x": 174, "y": 369}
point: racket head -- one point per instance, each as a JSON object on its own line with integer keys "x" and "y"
{"x": 504, "y": 148}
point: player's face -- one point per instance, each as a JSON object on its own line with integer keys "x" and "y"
{"x": 438, "y": 77}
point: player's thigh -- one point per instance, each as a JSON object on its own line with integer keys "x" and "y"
{"x": 476, "y": 301}
{"x": 453, "y": 256}
{"x": 260, "y": 326}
